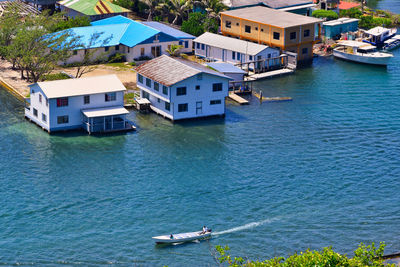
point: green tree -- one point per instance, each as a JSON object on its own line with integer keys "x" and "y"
{"x": 363, "y": 256}
{"x": 198, "y": 23}
{"x": 173, "y": 50}
{"x": 179, "y": 8}
{"x": 212, "y": 7}
{"x": 9, "y": 26}
{"x": 151, "y": 7}
{"x": 351, "y": 13}
{"x": 63, "y": 24}
{"x": 328, "y": 14}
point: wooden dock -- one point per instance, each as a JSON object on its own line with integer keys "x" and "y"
{"x": 269, "y": 74}
{"x": 238, "y": 98}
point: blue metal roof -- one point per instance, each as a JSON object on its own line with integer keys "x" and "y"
{"x": 119, "y": 30}
{"x": 225, "y": 67}
{"x": 168, "y": 30}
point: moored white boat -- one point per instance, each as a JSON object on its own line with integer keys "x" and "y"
{"x": 392, "y": 43}
{"x": 182, "y": 237}
{"x": 361, "y": 52}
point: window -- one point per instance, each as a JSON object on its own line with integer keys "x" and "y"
{"x": 238, "y": 56}
{"x": 247, "y": 28}
{"x": 306, "y": 33}
{"x": 186, "y": 44}
{"x": 180, "y": 43}
{"x": 202, "y": 46}
{"x": 197, "y": 87}
{"x": 233, "y": 55}
{"x": 158, "y": 100}
{"x": 199, "y": 76}
{"x": 129, "y": 50}
{"x": 277, "y": 35}
{"x": 304, "y": 51}
{"x": 250, "y": 57}
{"x": 117, "y": 48}
{"x": 86, "y": 99}
{"x": 181, "y": 91}
{"x": 228, "y": 24}
{"x": 140, "y": 78}
{"x": 148, "y": 82}
{"x": 182, "y": 107}
{"x": 40, "y": 98}
{"x": 198, "y": 45}
{"x": 142, "y": 51}
{"x": 237, "y": 23}
{"x": 215, "y": 102}
{"x": 167, "y": 106}
{"x": 110, "y": 97}
{"x": 293, "y": 35}
{"x": 156, "y": 86}
{"x": 262, "y": 29}
{"x": 35, "y": 112}
{"x": 44, "y": 117}
{"x": 165, "y": 90}
{"x": 47, "y": 102}
{"x": 62, "y": 119}
{"x": 256, "y": 28}
{"x": 62, "y": 102}
{"x": 217, "y": 87}
{"x": 75, "y": 52}
{"x": 106, "y": 48}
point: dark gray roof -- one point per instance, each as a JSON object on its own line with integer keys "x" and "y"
{"x": 269, "y": 3}
{"x": 168, "y": 71}
{"x": 271, "y": 16}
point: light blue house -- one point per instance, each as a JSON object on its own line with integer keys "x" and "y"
{"x": 185, "y": 39}
{"x": 181, "y": 89}
{"x": 119, "y": 34}
{"x": 335, "y": 28}
{"x": 95, "y": 104}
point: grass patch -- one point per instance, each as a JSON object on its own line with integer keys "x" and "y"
{"x": 119, "y": 65}
{"x": 129, "y": 98}
{"x": 56, "y": 76}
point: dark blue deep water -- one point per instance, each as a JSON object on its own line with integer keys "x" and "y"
{"x": 271, "y": 179}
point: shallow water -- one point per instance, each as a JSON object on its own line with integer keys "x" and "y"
{"x": 270, "y": 179}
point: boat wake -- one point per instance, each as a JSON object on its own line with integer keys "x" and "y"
{"x": 245, "y": 227}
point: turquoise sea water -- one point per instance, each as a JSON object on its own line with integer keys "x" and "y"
{"x": 270, "y": 179}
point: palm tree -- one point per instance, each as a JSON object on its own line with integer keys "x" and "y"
{"x": 173, "y": 50}
{"x": 179, "y": 8}
{"x": 152, "y": 4}
{"x": 212, "y": 7}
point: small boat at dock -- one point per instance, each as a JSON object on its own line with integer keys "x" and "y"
{"x": 361, "y": 52}
{"x": 182, "y": 237}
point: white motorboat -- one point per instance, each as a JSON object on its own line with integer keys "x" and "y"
{"x": 361, "y": 52}
{"x": 182, "y": 237}
{"x": 392, "y": 43}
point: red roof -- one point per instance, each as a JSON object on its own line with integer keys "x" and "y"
{"x": 348, "y": 5}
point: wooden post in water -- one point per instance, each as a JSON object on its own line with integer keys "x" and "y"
{"x": 261, "y": 97}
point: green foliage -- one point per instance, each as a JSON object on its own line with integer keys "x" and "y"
{"x": 64, "y": 24}
{"x": 328, "y": 14}
{"x": 141, "y": 58}
{"x": 368, "y": 22}
{"x": 198, "y": 23}
{"x": 55, "y": 76}
{"x": 118, "y": 57}
{"x": 133, "y": 64}
{"x": 173, "y": 50}
{"x": 363, "y": 256}
{"x": 351, "y": 13}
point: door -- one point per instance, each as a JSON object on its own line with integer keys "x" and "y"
{"x": 199, "y": 108}
{"x": 156, "y": 51}
{"x": 223, "y": 55}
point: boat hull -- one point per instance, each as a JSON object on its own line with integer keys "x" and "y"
{"x": 365, "y": 59}
{"x": 181, "y": 238}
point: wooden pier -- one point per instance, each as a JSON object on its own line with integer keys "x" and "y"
{"x": 269, "y": 74}
{"x": 238, "y": 98}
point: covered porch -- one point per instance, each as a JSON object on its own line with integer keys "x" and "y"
{"x": 108, "y": 119}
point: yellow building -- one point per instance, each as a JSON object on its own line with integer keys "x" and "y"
{"x": 284, "y": 30}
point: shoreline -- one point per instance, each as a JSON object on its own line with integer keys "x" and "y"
{"x": 10, "y": 80}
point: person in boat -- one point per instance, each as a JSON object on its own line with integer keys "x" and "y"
{"x": 205, "y": 230}
{"x": 171, "y": 236}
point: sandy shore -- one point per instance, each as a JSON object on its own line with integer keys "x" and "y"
{"x": 12, "y": 78}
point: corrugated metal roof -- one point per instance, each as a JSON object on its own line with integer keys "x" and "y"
{"x": 271, "y": 16}
{"x": 339, "y": 21}
{"x": 82, "y": 86}
{"x": 107, "y": 111}
{"x": 168, "y": 30}
{"x": 169, "y": 71}
{"x": 93, "y": 7}
{"x": 229, "y": 43}
{"x": 269, "y": 3}
{"x": 118, "y": 29}
{"x": 225, "y": 67}
{"x": 113, "y": 33}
